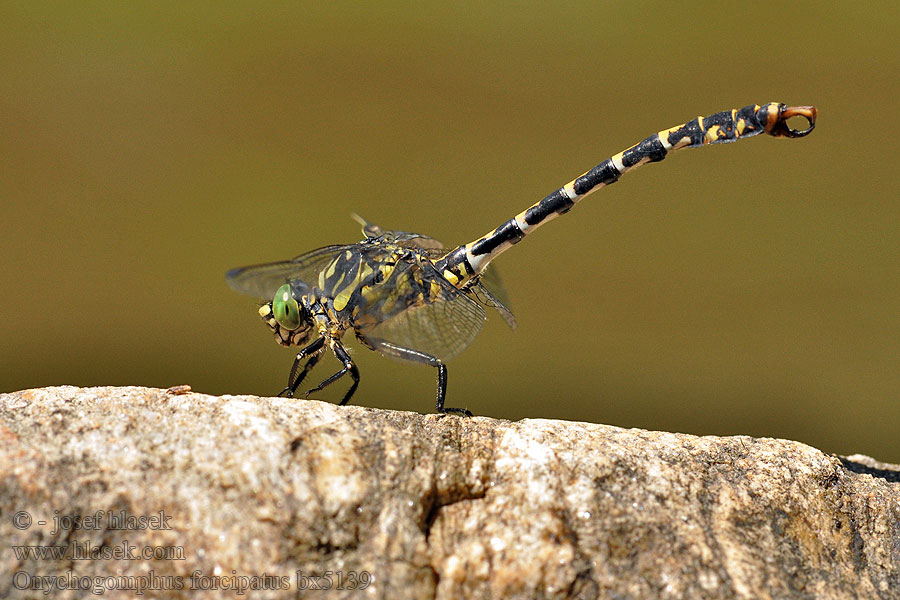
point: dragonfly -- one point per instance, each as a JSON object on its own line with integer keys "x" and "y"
{"x": 408, "y": 297}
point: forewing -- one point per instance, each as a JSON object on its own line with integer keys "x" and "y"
{"x": 263, "y": 280}
{"x": 441, "y": 323}
{"x": 401, "y": 238}
{"x": 414, "y": 240}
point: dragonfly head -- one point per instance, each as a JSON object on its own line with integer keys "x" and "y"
{"x": 288, "y": 318}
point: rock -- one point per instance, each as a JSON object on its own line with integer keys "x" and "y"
{"x": 277, "y": 497}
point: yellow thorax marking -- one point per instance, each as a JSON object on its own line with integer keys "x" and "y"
{"x": 351, "y": 285}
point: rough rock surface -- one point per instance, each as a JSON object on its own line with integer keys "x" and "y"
{"x": 281, "y": 497}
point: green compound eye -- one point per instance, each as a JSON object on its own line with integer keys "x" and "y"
{"x": 285, "y": 308}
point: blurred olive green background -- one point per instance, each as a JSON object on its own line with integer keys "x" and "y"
{"x": 744, "y": 289}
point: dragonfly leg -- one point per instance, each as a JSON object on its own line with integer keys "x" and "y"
{"x": 442, "y": 393}
{"x": 349, "y": 367}
{"x": 314, "y": 353}
{"x": 420, "y": 357}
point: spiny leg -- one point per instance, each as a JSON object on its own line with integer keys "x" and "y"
{"x": 314, "y": 353}
{"x": 420, "y": 357}
{"x": 293, "y": 384}
{"x": 349, "y": 367}
{"x": 442, "y": 393}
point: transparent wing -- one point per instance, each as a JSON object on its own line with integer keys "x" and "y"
{"x": 490, "y": 291}
{"x": 401, "y": 238}
{"x": 262, "y": 280}
{"x": 415, "y": 240}
{"x": 490, "y": 280}
{"x": 440, "y": 321}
